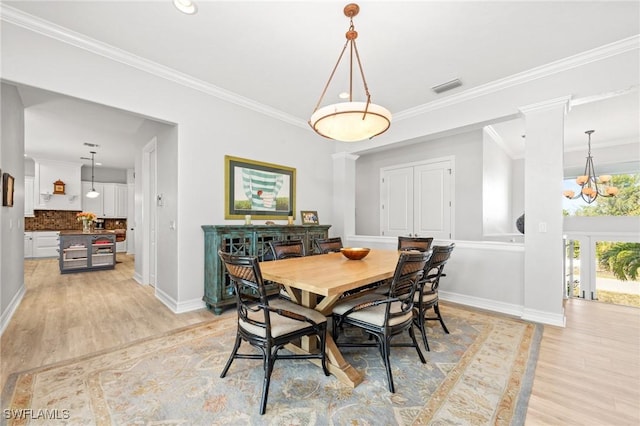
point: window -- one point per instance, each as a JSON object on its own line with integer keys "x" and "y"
{"x": 626, "y": 203}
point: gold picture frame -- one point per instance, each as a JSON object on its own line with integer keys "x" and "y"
{"x": 262, "y": 190}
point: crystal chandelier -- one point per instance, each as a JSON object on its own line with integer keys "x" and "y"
{"x": 350, "y": 121}
{"x": 591, "y": 185}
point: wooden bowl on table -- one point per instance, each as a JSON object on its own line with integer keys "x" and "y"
{"x": 354, "y": 253}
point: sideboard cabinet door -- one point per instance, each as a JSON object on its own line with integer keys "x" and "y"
{"x": 250, "y": 240}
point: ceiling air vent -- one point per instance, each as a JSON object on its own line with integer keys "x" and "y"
{"x": 447, "y": 86}
{"x": 92, "y": 145}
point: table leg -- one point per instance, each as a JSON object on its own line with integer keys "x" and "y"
{"x": 336, "y": 363}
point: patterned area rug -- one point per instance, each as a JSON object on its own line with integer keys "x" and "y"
{"x": 481, "y": 373}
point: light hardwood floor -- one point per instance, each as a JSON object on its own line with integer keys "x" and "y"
{"x": 66, "y": 316}
{"x": 587, "y": 374}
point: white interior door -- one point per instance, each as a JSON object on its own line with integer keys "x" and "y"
{"x": 416, "y": 200}
{"x": 432, "y": 195}
{"x": 149, "y": 212}
{"x": 396, "y": 197}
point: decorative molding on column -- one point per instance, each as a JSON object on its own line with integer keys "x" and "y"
{"x": 546, "y": 105}
{"x": 550, "y": 318}
{"x": 344, "y": 155}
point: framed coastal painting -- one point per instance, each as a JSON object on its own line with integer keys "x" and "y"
{"x": 7, "y": 190}
{"x": 261, "y": 190}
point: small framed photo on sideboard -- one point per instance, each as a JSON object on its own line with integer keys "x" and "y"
{"x": 309, "y": 217}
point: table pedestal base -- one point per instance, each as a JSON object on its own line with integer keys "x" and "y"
{"x": 336, "y": 364}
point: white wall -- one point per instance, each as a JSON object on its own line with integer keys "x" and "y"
{"x": 486, "y": 275}
{"x": 167, "y": 213}
{"x": 11, "y": 218}
{"x": 208, "y": 129}
{"x": 602, "y": 224}
{"x": 606, "y": 160}
{"x": 103, "y": 174}
{"x": 517, "y": 194}
{"x": 496, "y": 187}
{"x": 467, "y": 150}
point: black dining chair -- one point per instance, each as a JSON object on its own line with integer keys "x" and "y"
{"x": 328, "y": 245}
{"x": 414, "y": 243}
{"x": 384, "y": 317}
{"x": 427, "y": 295}
{"x": 406, "y": 244}
{"x": 268, "y": 324}
{"x": 284, "y": 249}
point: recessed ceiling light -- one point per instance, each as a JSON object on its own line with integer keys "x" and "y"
{"x": 98, "y": 164}
{"x": 344, "y": 95}
{"x": 186, "y": 6}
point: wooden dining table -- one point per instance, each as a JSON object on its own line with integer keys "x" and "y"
{"x": 318, "y": 282}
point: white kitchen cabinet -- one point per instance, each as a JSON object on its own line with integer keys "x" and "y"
{"x": 122, "y": 208}
{"x": 110, "y": 204}
{"x": 28, "y": 244}
{"x": 92, "y": 204}
{"x": 109, "y": 200}
{"x": 28, "y": 196}
{"x": 46, "y": 243}
{"x": 121, "y": 246}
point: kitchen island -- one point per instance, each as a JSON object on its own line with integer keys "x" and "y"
{"x": 81, "y": 251}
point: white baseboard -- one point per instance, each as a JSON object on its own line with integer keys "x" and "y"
{"x": 137, "y": 277}
{"x": 478, "y": 302}
{"x": 179, "y": 307}
{"x": 11, "y": 309}
{"x": 544, "y": 317}
{"x": 523, "y": 313}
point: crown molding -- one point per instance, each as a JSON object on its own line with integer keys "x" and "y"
{"x": 491, "y": 133}
{"x": 612, "y": 49}
{"x": 16, "y": 17}
{"x": 342, "y": 155}
{"x": 562, "y": 101}
{"x": 65, "y": 35}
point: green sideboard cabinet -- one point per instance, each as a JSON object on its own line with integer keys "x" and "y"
{"x": 246, "y": 240}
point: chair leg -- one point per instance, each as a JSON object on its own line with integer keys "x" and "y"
{"x": 269, "y": 361}
{"x": 334, "y": 328}
{"x": 233, "y": 355}
{"x": 323, "y": 348}
{"x": 436, "y": 308}
{"x": 385, "y": 350}
{"x": 415, "y": 344}
{"x": 420, "y": 321}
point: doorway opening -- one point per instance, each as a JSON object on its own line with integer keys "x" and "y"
{"x": 603, "y": 270}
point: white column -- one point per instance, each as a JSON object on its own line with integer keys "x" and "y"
{"x": 343, "y": 214}
{"x": 543, "y": 175}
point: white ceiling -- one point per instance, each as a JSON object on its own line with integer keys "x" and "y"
{"x": 280, "y": 54}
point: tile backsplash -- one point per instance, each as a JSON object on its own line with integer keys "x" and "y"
{"x": 60, "y": 220}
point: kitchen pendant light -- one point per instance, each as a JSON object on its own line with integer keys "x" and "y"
{"x": 350, "y": 121}
{"x": 93, "y": 193}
